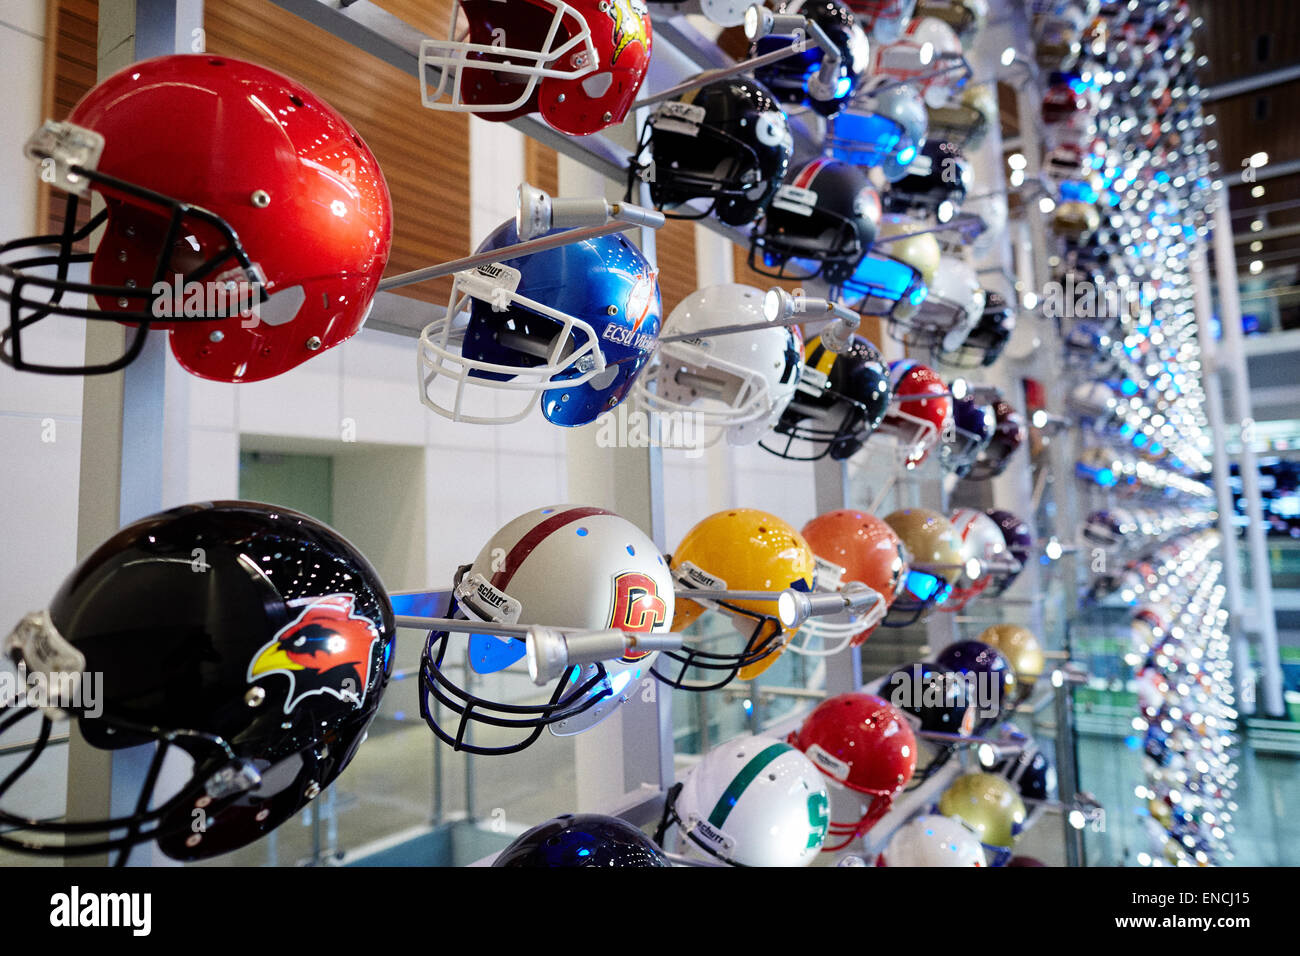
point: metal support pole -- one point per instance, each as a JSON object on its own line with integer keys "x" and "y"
{"x": 634, "y": 745}
{"x": 831, "y": 489}
{"x": 120, "y": 412}
{"x": 1232, "y": 356}
{"x": 1222, "y": 472}
{"x": 708, "y": 76}
{"x": 569, "y": 237}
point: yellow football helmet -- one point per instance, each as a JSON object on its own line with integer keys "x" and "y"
{"x": 935, "y": 563}
{"x": 966, "y": 120}
{"x": 740, "y": 549}
{"x": 920, "y": 251}
{"x": 1022, "y": 650}
{"x": 988, "y": 805}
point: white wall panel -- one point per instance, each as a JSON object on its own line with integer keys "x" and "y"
{"x": 214, "y": 465}
{"x": 39, "y": 474}
{"x": 378, "y": 389}
{"x": 304, "y": 402}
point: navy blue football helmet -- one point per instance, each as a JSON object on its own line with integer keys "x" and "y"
{"x": 584, "y": 839}
{"x": 972, "y": 430}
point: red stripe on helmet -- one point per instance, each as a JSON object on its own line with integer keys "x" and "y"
{"x": 539, "y": 533}
{"x": 806, "y": 175}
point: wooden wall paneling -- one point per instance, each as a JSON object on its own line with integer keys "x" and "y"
{"x": 675, "y": 253}
{"x": 72, "y": 57}
{"x": 424, "y": 154}
{"x": 541, "y": 167}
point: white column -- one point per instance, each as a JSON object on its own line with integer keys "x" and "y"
{"x": 1222, "y": 472}
{"x": 634, "y": 744}
{"x": 129, "y": 431}
{"x": 1233, "y": 359}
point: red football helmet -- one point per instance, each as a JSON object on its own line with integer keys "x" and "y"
{"x": 862, "y": 743}
{"x": 918, "y": 424}
{"x": 256, "y": 235}
{"x": 885, "y": 20}
{"x": 579, "y": 63}
{"x": 852, "y": 545}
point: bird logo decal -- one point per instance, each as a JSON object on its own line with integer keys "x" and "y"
{"x": 629, "y": 25}
{"x": 325, "y": 650}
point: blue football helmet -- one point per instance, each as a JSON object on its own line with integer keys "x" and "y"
{"x": 882, "y": 129}
{"x": 571, "y": 326}
{"x": 884, "y": 286}
{"x": 973, "y": 426}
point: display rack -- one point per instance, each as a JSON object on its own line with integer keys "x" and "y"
{"x": 131, "y": 428}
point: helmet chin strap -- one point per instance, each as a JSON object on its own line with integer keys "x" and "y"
{"x": 880, "y": 805}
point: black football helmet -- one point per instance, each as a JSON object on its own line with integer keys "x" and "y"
{"x": 1009, "y": 433}
{"x": 937, "y": 181}
{"x": 985, "y": 343}
{"x": 253, "y": 639}
{"x": 792, "y": 78}
{"x": 727, "y": 143}
{"x": 820, "y": 224}
{"x": 931, "y": 697}
{"x": 1020, "y": 542}
{"x": 583, "y": 839}
{"x": 839, "y": 402}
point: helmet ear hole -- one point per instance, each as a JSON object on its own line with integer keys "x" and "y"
{"x": 597, "y": 85}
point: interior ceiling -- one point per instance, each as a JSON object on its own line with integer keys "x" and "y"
{"x": 1247, "y": 38}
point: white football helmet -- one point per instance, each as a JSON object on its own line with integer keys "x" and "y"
{"x": 754, "y": 801}
{"x": 958, "y": 284}
{"x": 948, "y": 313}
{"x": 933, "y": 841}
{"x": 926, "y": 46}
{"x": 885, "y": 20}
{"x": 735, "y": 384}
{"x": 560, "y": 566}
{"x": 983, "y": 540}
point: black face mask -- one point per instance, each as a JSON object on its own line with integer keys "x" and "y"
{"x": 160, "y": 225}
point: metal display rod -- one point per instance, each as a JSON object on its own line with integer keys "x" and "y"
{"x": 552, "y": 651}
{"x": 952, "y": 225}
{"x": 496, "y": 255}
{"x": 780, "y": 308}
{"x": 962, "y": 64}
{"x": 761, "y": 22}
{"x": 536, "y": 214}
{"x": 1000, "y": 748}
{"x": 708, "y": 76}
{"x": 795, "y": 607}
